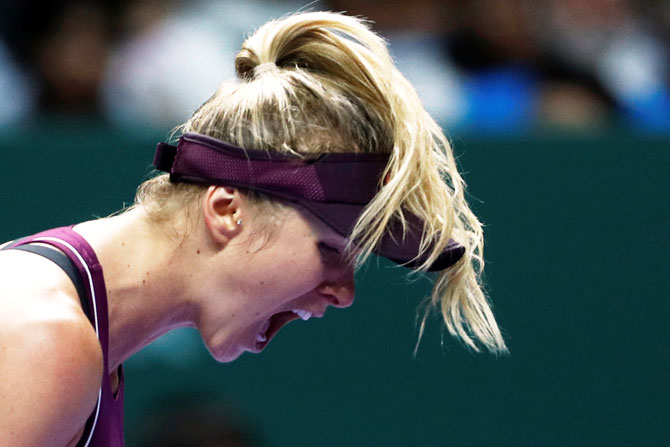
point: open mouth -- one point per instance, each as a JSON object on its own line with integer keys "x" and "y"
{"x": 276, "y": 322}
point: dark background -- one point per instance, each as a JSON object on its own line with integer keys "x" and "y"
{"x": 559, "y": 113}
{"x": 577, "y": 270}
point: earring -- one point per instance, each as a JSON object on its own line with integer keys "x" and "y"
{"x": 239, "y": 221}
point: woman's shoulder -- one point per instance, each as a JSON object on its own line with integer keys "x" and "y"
{"x": 40, "y": 310}
{"x": 44, "y": 335}
{"x": 37, "y": 298}
{"x": 51, "y": 359}
{"x": 34, "y": 287}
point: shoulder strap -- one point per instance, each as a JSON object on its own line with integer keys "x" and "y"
{"x": 59, "y": 255}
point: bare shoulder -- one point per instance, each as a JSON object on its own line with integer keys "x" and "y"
{"x": 51, "y": 358}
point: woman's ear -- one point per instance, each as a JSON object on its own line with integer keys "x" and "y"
{"x": 222, "y": 213}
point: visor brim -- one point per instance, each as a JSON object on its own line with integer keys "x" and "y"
{"x": 401, "y": 247}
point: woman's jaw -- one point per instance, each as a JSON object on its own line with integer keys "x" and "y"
{"x": 226, "y": 346}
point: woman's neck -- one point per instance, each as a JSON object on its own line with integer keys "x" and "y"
{"x": 146, "y": 289}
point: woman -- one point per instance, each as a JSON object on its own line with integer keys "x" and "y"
{"x": 319, "y": 155}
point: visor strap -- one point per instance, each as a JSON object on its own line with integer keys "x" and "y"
{"x": 164, "y": 158}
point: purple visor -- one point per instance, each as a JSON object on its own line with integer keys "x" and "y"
{"x": 335, "y": 186}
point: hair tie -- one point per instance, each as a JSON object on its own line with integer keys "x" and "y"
{"x": 265, "y": 67}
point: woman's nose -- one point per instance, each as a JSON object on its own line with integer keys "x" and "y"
{"x": 340, "y": 291}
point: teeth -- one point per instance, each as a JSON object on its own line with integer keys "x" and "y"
{"x": 261, "y": 337}
{"x": 303, "y": 314}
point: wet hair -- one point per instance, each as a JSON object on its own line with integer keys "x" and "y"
{"x": 324, "y": 82}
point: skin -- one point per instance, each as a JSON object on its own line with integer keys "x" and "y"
{"x": 223, "y": 278}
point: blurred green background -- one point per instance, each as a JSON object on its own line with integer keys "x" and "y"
{"x": 577, "y": 268}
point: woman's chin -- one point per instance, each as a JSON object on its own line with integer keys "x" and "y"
{"x": 226, "y": 355}
{"x": 224, "y": 352}
{"x": 226, "y": 347}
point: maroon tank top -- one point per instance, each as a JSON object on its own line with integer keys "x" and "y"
{"x": 104, "y": 428}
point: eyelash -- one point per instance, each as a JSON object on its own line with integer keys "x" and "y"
{"x": 328, "y": 250}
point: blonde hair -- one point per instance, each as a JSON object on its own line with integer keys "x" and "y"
{"x": 319, "y": 82}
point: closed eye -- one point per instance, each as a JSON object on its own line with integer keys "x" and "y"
{"x": 328, "y": 250}
{"x": 334, "y": 256}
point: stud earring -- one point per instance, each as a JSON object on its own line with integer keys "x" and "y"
{"x": 239, "y": 221}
